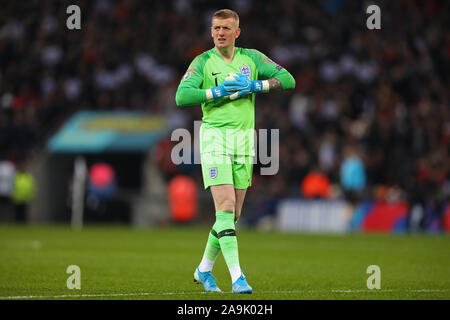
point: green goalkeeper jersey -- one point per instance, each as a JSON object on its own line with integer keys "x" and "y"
{"x": 233, "y": 118}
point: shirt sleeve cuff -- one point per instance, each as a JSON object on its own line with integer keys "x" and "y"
{"x": 209, "y": 94}
{"x": 265, "y": 86}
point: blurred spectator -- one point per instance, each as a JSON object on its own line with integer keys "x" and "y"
{"x": 316, "y": 185}
{"x": 7, "y": 172}
{"x": 101, "y": 190}
{"x": 163, "y": 158}
{"x": 23, "y": 192}
{"x": 182, "y": 192}
{"x": 102, "y": 183}
{"x": 353, "y": 175}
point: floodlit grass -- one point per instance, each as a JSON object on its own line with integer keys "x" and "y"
{"x": 126, "y": 263}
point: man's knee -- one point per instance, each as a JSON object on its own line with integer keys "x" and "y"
{"x": 227, "y": 205}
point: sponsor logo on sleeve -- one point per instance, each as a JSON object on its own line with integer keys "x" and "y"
{"x": 268, "y": 60}
{"x": 187, "y": 75}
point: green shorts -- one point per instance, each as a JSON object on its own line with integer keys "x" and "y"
{"x": 223, "y": 169}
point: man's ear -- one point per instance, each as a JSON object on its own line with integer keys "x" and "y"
{"x": 238, "y": 32}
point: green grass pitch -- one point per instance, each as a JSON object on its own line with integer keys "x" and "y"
{"x": 126, "y": 263}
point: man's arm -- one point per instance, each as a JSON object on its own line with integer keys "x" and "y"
{"x": 187, "y": 96}
{"x": 241, "y": 85}
{"x": 279, "y": 78}
{"x": 190, "y": 93}
{"x": 190, "y": 96}
{"x": 275, "y": 85}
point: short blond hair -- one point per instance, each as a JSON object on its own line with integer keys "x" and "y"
{"x": 225, "y": 14}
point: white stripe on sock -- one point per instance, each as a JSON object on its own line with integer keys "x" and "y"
{"x": 235, "y": 273}
{"x": 205, "y": 265}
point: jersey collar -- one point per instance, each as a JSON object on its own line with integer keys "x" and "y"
{"x": 236, "y": 50}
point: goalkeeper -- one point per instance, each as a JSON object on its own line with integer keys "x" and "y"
{"x": 227, "y": 133}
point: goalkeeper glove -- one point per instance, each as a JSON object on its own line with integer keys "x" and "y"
{"x": 241, "y": 85}
{"x": 217, "y": 92}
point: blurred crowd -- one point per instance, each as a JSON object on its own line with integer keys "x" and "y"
{"x": 370, "y": 115}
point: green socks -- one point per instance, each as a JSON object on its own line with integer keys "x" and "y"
{"x": 222, "y": 237}
{"x": 212, "y": 249}
{"x": 226, "y": 235}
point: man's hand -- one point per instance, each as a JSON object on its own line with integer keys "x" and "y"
{"x": 241, "y": 85}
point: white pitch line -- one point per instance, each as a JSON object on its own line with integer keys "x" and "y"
{"x": 102, "y": 295}
{"x": 203, "y": 292}
{"x": 356, "y": 291}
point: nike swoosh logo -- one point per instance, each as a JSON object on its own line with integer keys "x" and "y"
{"x": 215, "y": 73}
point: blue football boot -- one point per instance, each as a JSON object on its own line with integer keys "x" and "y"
{"x": 207, "y": 279}
{"x": 241, "y": 285}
